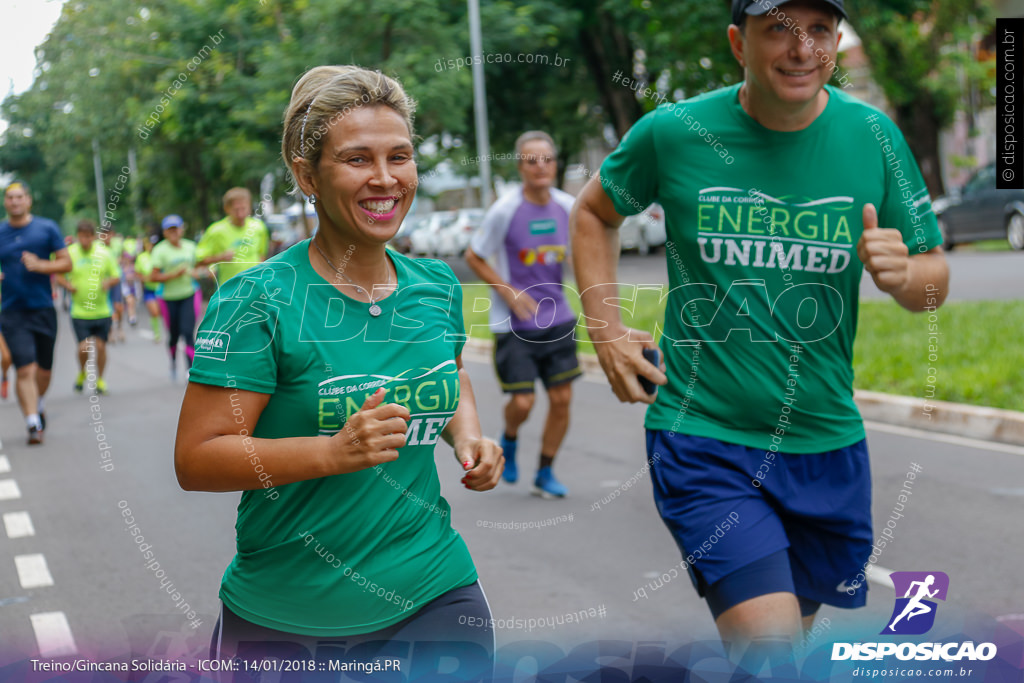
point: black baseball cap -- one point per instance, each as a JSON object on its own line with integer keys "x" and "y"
{"x": 756, "y": 8}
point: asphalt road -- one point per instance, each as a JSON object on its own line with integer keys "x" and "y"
{"x": 963, "y": 518}
{"x": 974, "y": 275}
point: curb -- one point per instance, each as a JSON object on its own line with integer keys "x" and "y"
{"x": 975, "y": 422}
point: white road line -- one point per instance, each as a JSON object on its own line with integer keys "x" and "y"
{"x": 18, "y": 525}
{"x": 5, "y": 464}
{"x": 880, "y": 576}
{"x": 9, "y": 489}
{"x": 945, "y": 438}
{"x": 32, "y": 571}
{"x": 53, "y": 634}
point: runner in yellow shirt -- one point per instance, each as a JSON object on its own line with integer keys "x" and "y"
{"x": 144, "y": 267}
{"x": 236, "y": 242}
{"x": 115, "y": 244}
{"x": 93, "y": 272}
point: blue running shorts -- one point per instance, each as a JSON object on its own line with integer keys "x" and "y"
{"x": 730, "y": 506}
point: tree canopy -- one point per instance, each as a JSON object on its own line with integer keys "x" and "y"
{"x": 190, "y": 93}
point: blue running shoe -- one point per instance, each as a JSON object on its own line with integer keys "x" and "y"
{"x": 546, "y": 486}
{"x": 511, "y": 473}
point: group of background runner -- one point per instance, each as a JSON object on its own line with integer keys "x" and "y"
{"x": 103, "y": 275}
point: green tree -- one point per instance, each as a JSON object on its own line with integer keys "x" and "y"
{"x": 127, "y": 76}
{"x": 21, "y": 154}
{"x": 920, "y": 55}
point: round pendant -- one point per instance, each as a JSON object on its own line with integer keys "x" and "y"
{"x": 375, "y": 310}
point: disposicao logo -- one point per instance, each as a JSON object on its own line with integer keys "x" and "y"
{"x": 913, "y": 615}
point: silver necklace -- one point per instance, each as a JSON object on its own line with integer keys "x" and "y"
{"x": 374, "y": 308}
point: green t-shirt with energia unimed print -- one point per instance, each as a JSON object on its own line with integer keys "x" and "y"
{"x": 350, "y": 553}
{"x": 763, "y": 270}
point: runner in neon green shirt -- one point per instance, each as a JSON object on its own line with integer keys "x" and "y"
{"x": 172, "y": 263}
{"x": 115, "y": 244}
{"x": 130, "y": 288}
{"x": 144, "y": 267}
{"x": 236, "y": 242}
{"x": 93, "y": 272}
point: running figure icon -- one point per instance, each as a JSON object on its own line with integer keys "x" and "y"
{"x": 915, "y": 606}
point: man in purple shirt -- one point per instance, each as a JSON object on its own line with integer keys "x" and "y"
{"x": 527, "y": 233}
{"x": 27, "y": 317}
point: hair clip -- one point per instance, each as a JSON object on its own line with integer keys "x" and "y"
{"x": 302, "y": 135}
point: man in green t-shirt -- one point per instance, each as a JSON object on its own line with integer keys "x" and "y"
{"x": 777, "y": 193}
{"x": 236, "y": 242}
{"x": 93, "y": 272}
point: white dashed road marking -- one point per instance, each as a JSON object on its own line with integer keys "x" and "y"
{"x": 53, "y": 634}
{"x": 32, "y": 571}
{"x": 52, "y": 631}
{"x": 18, "y": 525}
{"x": 9, "y": 490}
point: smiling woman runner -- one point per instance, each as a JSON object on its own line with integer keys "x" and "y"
{"x": 322, "y": 378}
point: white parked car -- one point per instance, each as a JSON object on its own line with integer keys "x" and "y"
{"x": 453, "y": 238}
{"x": 402, "y": 241}
{"x": 644, "y": 231}
{"x": 424, "y": 240}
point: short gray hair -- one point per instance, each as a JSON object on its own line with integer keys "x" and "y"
{"x": 530, "y": 136}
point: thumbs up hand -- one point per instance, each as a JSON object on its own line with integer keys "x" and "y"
{"x": 883, "y": 253}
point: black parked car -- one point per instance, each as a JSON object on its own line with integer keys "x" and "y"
{"x": 981, "y": 212}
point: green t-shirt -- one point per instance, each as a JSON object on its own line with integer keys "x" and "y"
{"x": 249, "y": 243}
{"x": 131, "y": 249}
{"x": 759, "y": 327}
{"x": 144, "y": 266}
{"x": 350, "y": 553}
{"x": 169, "y": 258}
{"x": 88, "y": 273}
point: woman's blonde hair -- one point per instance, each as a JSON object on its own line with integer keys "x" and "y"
{"x": 324, "y": 95}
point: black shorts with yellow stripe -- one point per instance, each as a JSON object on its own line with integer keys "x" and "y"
{"x": 520, "y": 357}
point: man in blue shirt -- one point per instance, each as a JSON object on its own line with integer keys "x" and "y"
{"x": 27, "y": 317}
